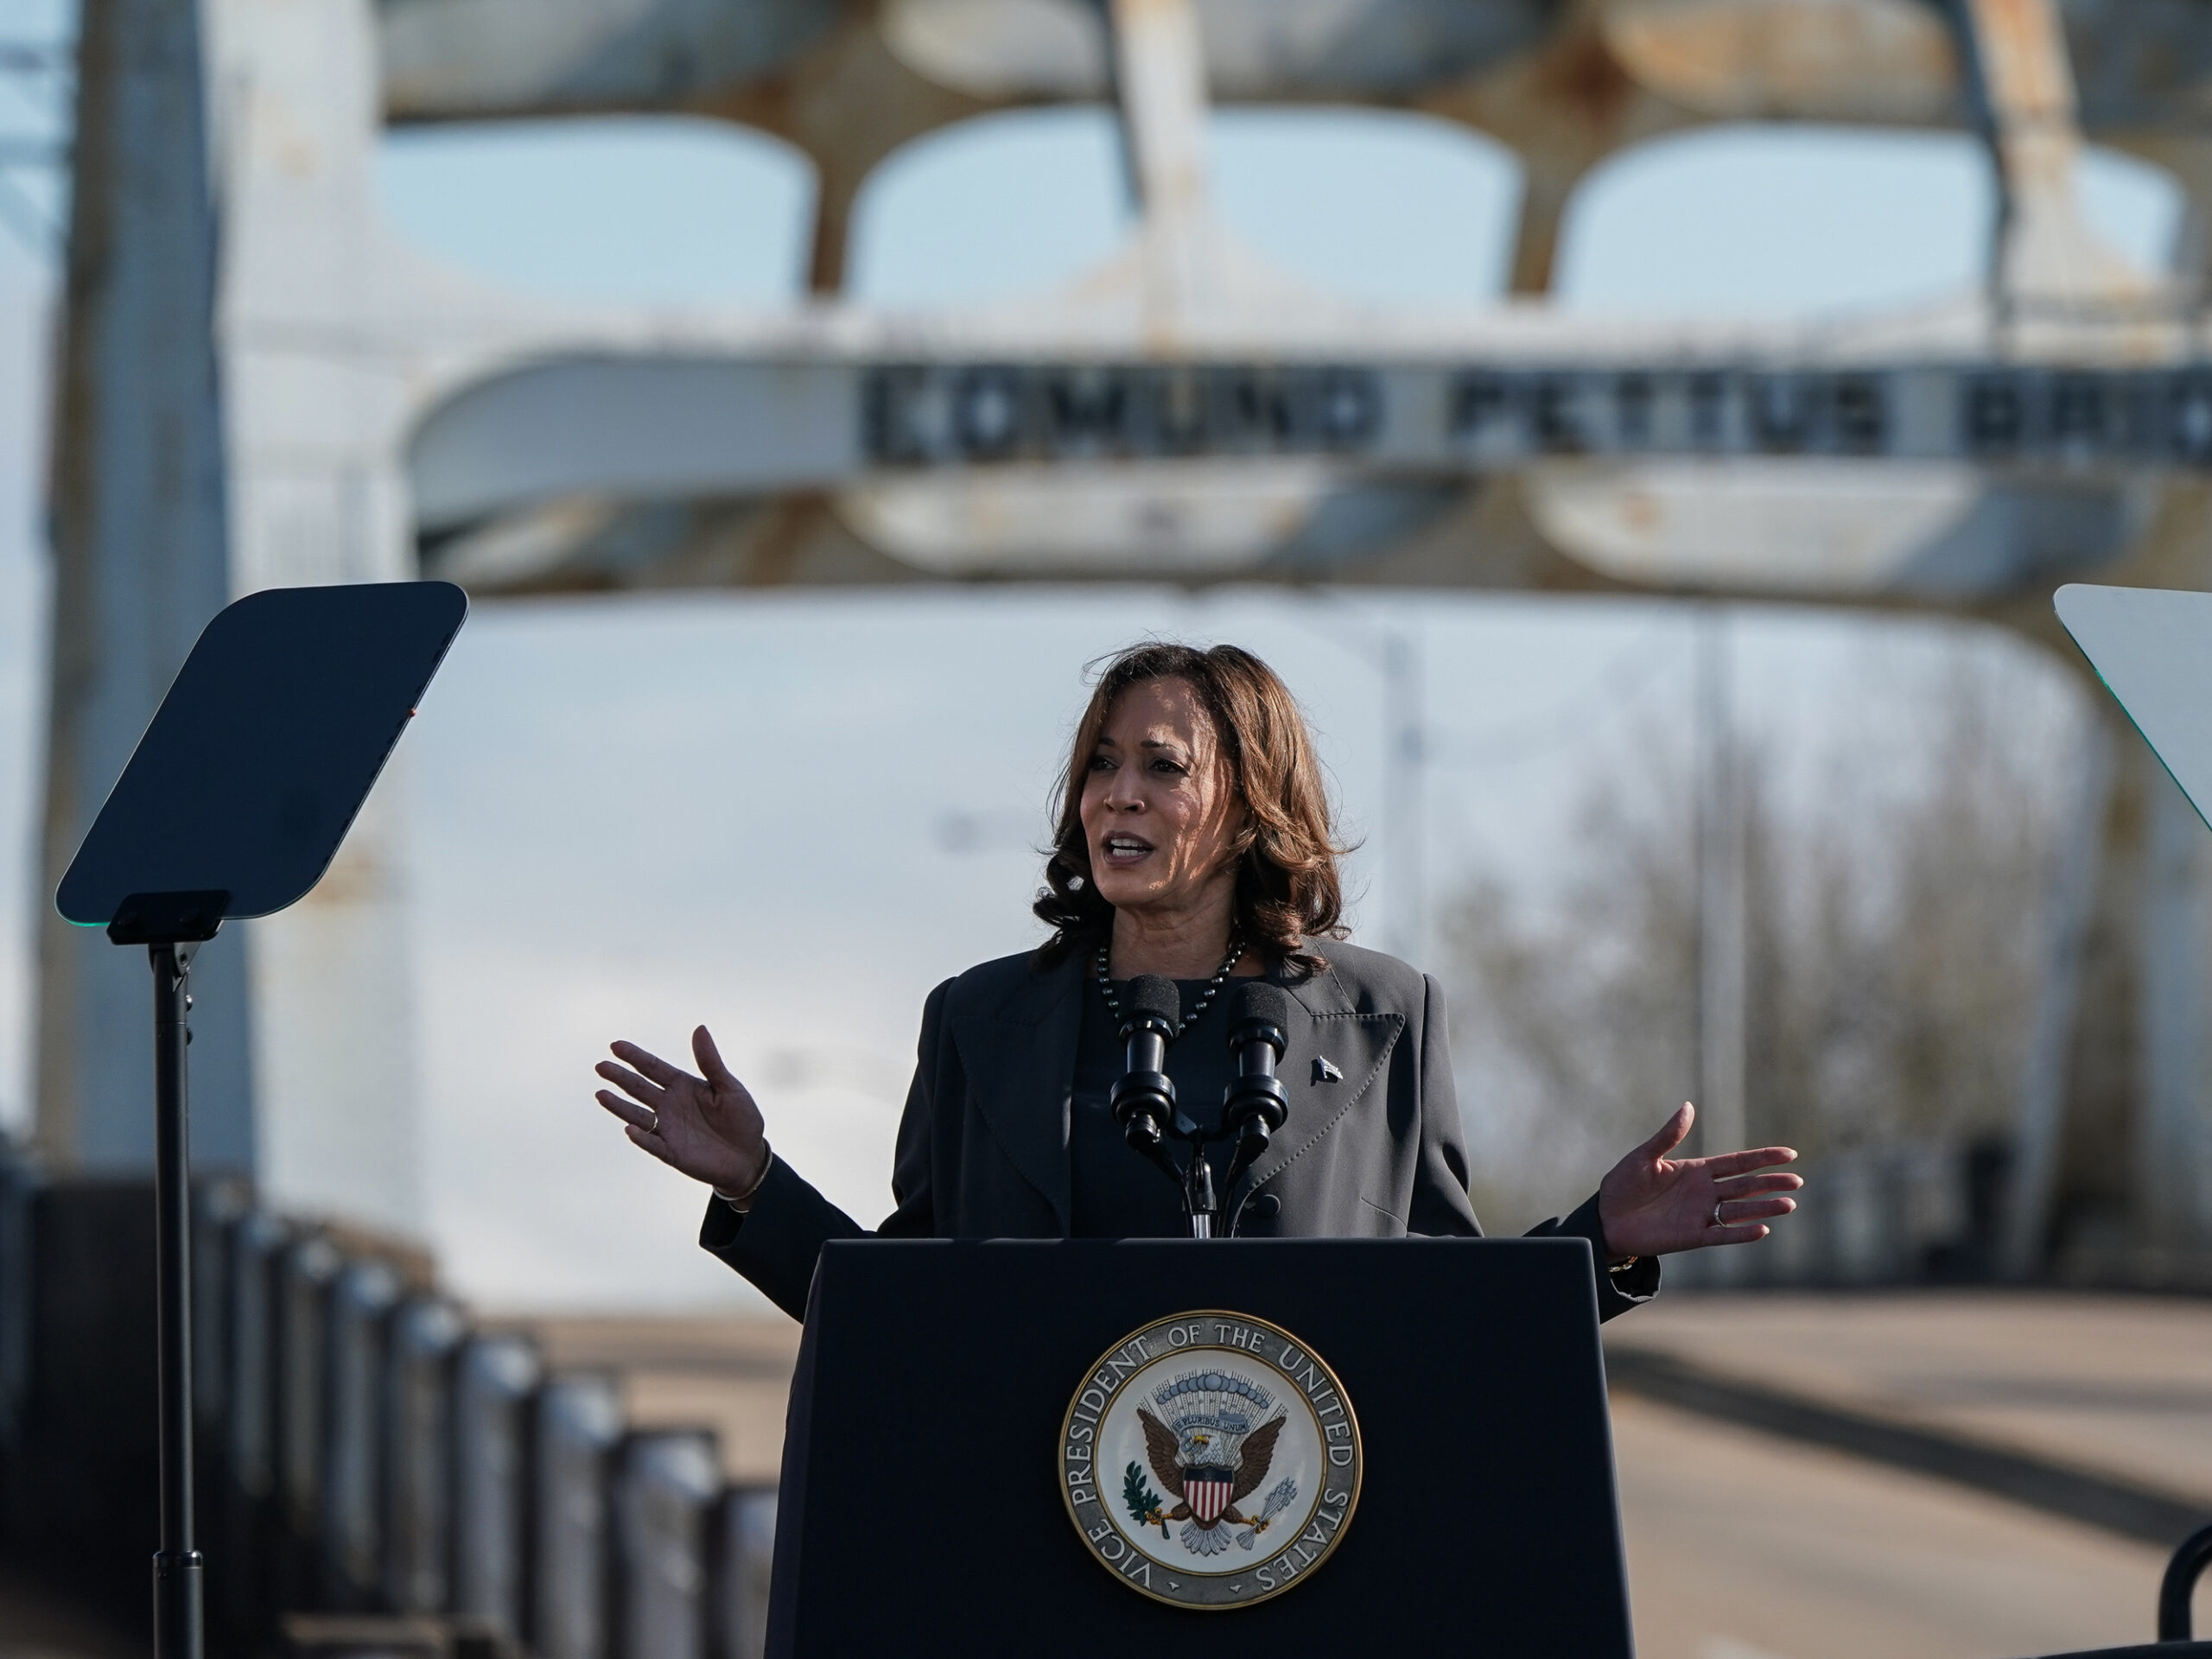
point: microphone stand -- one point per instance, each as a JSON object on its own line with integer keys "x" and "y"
{"x": 1198, "y": 1202}
{"x": 1253, "y": 1107}
{"x": 1201, "y": 1208}
{"x": 1143, "y": 1101}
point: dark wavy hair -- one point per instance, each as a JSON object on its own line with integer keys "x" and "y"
{"x": 1287, "y": 890}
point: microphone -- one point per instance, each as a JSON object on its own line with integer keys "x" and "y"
{"x": 1255, "y": 1106}
{"x": 1143, "y": 1101}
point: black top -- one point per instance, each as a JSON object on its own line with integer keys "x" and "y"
{"x": 1116, "y": 1191}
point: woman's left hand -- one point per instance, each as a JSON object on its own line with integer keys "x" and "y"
{"x": 1651, "y": 1205}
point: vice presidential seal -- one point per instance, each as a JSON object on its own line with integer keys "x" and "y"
{"x": 1210, "y": 1459}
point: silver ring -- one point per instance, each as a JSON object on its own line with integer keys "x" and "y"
{"x": 653, "y": 1127}
{"x": 1717, "y": 1222}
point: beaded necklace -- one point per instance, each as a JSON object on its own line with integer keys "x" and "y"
{"x": 1212, "y": 989}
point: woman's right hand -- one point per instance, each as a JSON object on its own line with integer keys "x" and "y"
{"x": 707, "y": 1126}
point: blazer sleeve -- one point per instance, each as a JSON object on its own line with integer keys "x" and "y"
{"x": 776, "y": 1241}
{"x": 1441, "y": 1205}
{"x": 1618, "y": 1289}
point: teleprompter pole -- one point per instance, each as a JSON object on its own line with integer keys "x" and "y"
{"x": 179, "y": 1617}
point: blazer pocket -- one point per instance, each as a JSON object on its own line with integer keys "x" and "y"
{"x": 1386, "y": 1222}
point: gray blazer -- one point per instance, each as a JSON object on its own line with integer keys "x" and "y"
{"x": 1375, "y": 1151}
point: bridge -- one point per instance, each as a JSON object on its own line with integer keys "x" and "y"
{"x": 327, "y": 405}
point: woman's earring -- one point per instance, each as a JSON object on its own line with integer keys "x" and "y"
{"x": 1074, "y": 884}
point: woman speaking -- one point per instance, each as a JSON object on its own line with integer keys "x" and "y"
{"x": 1193, "y": 842}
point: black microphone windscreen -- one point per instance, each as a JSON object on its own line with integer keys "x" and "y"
{"x": 1257, "y": 999}
{"x": 1149, "y": 993}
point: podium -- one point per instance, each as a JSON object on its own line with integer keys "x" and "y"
{"x": 929, "y": 1503}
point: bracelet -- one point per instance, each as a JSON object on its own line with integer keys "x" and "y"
{"x": 742, "y": 1202}
{"x": 1618, "y": 1267}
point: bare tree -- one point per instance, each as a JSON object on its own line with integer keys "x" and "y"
{"x": 1892, "y": 923}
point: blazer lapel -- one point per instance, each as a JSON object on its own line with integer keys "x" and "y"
{"x": 1019, "y": 1061}
{"x": 1328, "y": 1066}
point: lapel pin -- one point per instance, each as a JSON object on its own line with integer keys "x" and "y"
{"x": 1325, "y": 1070}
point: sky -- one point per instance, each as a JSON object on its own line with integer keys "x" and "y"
{"x": 1395, "y": 208}
{"x": 790, "y": 815}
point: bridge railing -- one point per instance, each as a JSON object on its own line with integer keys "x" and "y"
{"x": 372, "y": 1468}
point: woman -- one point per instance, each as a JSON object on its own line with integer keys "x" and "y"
{"x": 1193, "y": 842}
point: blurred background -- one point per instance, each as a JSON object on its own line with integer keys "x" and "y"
{"x": 1646, "y": 435}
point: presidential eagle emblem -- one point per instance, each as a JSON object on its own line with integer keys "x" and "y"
{"x": 1210, "y": 1453}
{"x": 1250, "y": 1441}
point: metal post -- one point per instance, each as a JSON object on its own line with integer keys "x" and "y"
{"x": 664, "y": 1505}
{"x": 420, "y": 1481}
{"x": 579, "y": 1427}
{"x": 2169, "y": 1152}
{"x": 1396, "y": 656}
{"x": 2068, "y": 912}
{"x": 353, "y": 1530}
{"x": 493, "y": 1458}
{"x": 179, "y": 1613}
{"x": 1721, "y": 908}
{"x": 1405, "y": 763}
{"x": 746, "y": 1551}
